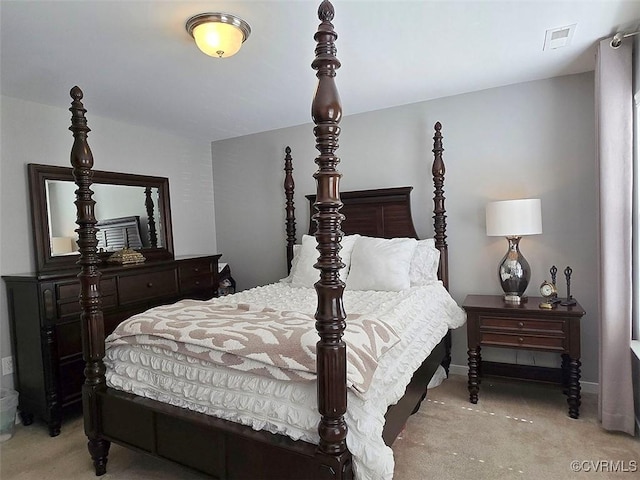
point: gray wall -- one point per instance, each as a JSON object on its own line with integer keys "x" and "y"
{"x": 34, "y": 133}
{"x": 528, "y": 140}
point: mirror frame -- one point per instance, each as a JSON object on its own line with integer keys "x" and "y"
{"x": 39, "y": 174}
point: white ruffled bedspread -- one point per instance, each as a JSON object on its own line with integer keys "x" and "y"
{"x": 420, "y": 316}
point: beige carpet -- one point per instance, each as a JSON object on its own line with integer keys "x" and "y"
{"x": 517, "y": 431}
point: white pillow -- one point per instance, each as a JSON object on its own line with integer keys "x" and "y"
{"x": 424, "y": 264}
{"x": 294, "y": 261}
{"x": 304, "y": 273}
{"x": 381, "y": 264}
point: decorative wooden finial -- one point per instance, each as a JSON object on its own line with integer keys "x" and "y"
{"x": 79, "y": 126}
{"x": 326, "y": 11}
{"x": 438, "y": 164}
{"x": 326, "y": 112}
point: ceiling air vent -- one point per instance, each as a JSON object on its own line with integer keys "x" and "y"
{"x": 558, "y": 37}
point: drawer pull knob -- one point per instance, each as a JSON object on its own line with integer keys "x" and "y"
{"x": 520, "y": 339}
{"x": 197, "y": 282}
{"x": 521, "y": 324}
{"x": 149, "y": 284}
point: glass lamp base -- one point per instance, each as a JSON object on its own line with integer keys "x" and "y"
{"x": 514, "y": 299}
{"x": 514, "y": 273}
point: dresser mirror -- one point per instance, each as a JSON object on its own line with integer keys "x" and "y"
{"x": 132, "y": 211}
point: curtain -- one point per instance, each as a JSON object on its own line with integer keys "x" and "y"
{"x": 614, "y": 141}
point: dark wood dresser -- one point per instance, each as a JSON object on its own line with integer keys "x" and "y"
{"x": 45, "y": 322}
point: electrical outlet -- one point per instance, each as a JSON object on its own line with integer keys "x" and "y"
{"x": 7, "y": 365}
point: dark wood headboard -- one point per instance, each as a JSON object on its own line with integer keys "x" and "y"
{"x": 384, "y": 213}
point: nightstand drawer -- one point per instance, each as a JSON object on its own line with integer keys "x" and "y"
{"x": 194, "y": 268}
{"x": 522, "y": 341}
{"x": 195, "y": 283}
{"x": 516, "y": 325}
{"x": 197, "y": 278}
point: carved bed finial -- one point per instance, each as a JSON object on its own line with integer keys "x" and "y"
{"x": 76, "y": 93}
{"x": 79, "y": 124}
{"x": 326, "y": 11}
{"x": 91, "y": 320}
{"x": 326, "y": 112}
{"x": 289, "y": 187}
{"x": 440, "y": 218}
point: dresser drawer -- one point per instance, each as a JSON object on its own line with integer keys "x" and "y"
{"x": 71, "y": 377}
{"x": 68, "y": 303}
{"x": 69, "y": 339}
{"x": 507, "y": 340}
{"x": 524, "y": 325}
{"x": 72, "y": 290}
{"x": 147, "y": 286}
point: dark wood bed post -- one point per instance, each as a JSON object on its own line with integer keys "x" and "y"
{"x": 151, "y": 222}
{"x": 326, "y": 112}
{"x": 289, "y": 186}
{"x": 440, "y": 217}
{"x": 91, "y": 320}
{"x": 440, "y": 225}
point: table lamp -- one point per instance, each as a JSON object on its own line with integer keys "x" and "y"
{"x": 514, "y": 219}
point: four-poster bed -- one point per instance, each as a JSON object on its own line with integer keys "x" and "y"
{"x": 125, "y": 410}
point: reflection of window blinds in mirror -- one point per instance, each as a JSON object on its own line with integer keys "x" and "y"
{"x": 117, "y": 233}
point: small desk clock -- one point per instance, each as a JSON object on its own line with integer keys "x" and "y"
{"x": 549, "y": 292}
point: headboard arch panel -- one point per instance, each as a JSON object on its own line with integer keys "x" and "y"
{"x": 384, "y": 213}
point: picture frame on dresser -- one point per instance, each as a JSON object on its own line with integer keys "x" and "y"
{"x": 44, "y": 313}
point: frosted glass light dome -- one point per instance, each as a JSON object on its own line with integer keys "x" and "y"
{"x": 218, "y": 35}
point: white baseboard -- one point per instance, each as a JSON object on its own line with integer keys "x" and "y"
{"x": 585, "y": 387}
{"x": 458, "y": 370}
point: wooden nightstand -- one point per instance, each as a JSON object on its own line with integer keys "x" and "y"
{"x": 493, "y": 323}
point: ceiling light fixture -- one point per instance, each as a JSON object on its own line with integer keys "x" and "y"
{"x": 616, "y": 41}
{"x": 218, "y": 34}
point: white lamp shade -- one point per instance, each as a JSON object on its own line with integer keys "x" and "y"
{"x": 514, "y": 218}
